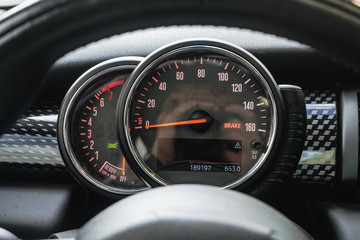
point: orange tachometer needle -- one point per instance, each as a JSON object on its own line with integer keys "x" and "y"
{"x": 187, "y": 122}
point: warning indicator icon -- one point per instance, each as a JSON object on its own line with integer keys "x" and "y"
{"x": 237, "y": 146}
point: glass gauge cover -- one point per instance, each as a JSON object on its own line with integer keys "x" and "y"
{"x": 199, "y": 112}
{"x": 88, "y": 132}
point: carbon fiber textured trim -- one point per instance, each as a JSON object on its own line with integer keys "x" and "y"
{"x": 32, "y": 141}
{"x": 317, "y": 163}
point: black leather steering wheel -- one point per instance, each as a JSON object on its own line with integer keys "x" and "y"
{"x": 35, "y": 34}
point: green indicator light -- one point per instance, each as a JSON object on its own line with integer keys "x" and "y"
{"x": 112, "y": 145}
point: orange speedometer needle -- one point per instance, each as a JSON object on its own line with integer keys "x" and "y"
{"x": 187, "y": 122}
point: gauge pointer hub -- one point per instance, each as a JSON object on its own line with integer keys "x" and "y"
{"x": 201, "y": 128}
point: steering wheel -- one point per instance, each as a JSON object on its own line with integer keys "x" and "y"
{"x": 36, "y": 33}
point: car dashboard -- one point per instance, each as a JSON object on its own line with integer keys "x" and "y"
{"x": 40, "y": 197}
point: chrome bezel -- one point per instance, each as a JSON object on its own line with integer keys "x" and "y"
{"x": 88, "y": 78}
{"x": 220, "y": 48}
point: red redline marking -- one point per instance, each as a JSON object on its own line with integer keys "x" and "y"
{"x": 104, "y": 89}
{"x": 85, "y": 147}
{"x": 141, "y": 101}
{"x": 227, "y": 64}
{"x": 114, "y": 84}
{"x": 216, "y": 163}
{"x": 154, "y": 79}
{"x": 88, "y": 107}
{"x": 201, "y": 60}
{"x": 176, "y": 65}
{"x": 91, "y": 159}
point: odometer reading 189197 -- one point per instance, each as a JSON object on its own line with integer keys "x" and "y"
{"x": 199, "y": 113}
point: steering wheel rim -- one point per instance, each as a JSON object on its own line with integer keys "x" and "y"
{"x": 200, "y": 212}
{"x": 59, "y": 26}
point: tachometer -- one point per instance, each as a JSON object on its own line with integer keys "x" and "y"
{"x": 200, "y": 112}
{"x": 87, "y": 129}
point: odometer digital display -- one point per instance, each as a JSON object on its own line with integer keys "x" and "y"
{"x": 199, "y": 113}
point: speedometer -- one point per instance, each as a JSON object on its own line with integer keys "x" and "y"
{"x": 200, "y": 111}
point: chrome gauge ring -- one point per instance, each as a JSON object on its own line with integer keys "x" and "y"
{"x": 200, "y": 111}
{"x": 87, "y": 129}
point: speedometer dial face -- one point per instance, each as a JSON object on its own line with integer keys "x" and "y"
{"x": 200, "y": 113}
{"x": 89, "y": 131}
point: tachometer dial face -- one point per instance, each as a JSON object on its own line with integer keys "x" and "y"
{"x": 90, "y": 132}
{"x": 200, "y": 113}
